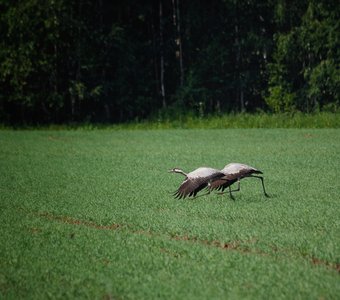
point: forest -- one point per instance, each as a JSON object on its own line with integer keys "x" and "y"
{"x": 115, "y": 61}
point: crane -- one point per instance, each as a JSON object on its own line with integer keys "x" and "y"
{"x": 234, "y": 172}
{"x": 196, "y": 180}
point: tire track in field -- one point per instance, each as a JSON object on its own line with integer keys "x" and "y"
{"x": 237, "y": 245}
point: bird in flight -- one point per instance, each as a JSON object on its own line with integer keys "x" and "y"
{"x": 234, "y": 172}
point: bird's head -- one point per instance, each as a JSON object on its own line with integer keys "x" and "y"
{"x": 175, "y": 170}
{"x": 178, "y": 170}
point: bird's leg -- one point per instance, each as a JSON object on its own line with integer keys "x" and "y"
{"x": 231, "y": 195}
{"x": 237, "y": 190}
{"x": 202, "y": 194}
{"x": 230, "y": 191}
{"x": 238, "y": 186}
{"x": 209, "y": 191}
{"x": 262, "y": 181}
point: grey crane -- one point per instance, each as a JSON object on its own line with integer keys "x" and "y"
{"x": 196, "y": 180}
{"x": 234, "y": 172}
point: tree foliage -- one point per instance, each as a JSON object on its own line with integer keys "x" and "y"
{"x": 102, "y": 61}
{"x": 304, "y": 73}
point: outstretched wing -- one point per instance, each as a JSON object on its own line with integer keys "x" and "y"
{"x": 190, "y": 187}
{"x": 233, "y": 172}
{"x": 193, "y": 184}
{"x": 223, "y": 182}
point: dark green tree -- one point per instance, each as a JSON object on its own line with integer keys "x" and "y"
{"x": 104, "y": 61}
{"x": 304, "y": 73}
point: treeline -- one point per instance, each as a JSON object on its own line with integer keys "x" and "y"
{"x": 114, "y": 61}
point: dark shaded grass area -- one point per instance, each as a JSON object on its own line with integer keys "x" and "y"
{"x": 89, "y": 214}
{"x": 194, "y": 121}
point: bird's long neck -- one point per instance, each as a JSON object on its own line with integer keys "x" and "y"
{"x": 181, "y": 172}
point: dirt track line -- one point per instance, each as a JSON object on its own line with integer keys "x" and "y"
{"x": 69, "y": 220}
{"x": 231, "y": 246}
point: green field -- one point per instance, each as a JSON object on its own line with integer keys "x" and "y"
{"x": 89, "y": 214}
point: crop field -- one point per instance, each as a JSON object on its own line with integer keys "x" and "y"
{"x": 90, "y": 215}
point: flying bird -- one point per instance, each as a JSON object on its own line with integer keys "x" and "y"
{"x": 196, "y": 180}
{"x": 234, "y": 172}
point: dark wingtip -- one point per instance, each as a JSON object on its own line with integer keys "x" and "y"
{"x": 178, "y": 195}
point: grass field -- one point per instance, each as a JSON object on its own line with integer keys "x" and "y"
{"x": 89, "y": 214}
